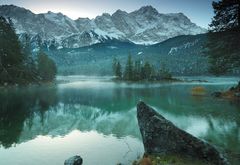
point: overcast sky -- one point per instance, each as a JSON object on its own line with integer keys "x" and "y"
{"x": 199, "y": 11}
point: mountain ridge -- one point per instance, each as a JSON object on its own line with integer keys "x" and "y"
{"x": 182, "y": 55}
{"x": 145, "y": 26}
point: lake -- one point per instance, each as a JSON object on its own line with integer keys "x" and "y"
{"x": 96, "y": 118}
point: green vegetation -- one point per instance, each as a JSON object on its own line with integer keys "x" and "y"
{"x": 46, "y": 67}
{"x": 227, "y": 15}
{"x": 168, "y": 160}
{"x": 223, "y": 50}
{"x": 128, "y": 73}
{"x": 137, "y": 71}
{"x": 117, "y": 68}
{"x": 16, "y": 63}
{"x": 223, "y": 46}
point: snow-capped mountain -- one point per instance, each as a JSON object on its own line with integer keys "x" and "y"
{"x": 143, "y": 26}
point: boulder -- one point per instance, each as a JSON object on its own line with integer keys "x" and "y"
{"x": 75, "y": 160}
{"x": 160, "y": 136}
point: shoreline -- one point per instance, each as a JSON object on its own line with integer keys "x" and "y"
{"x": 28, "y": 85}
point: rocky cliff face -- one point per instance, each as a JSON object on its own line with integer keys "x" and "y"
{"x": 143, "y": 26}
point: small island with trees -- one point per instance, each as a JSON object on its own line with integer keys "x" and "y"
{"x": 17, "y": 63}
{"x": 137, "y": 71}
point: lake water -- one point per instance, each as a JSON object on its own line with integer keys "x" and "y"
{"x": 96, "y": 118}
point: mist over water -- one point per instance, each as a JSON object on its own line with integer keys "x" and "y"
{"x": 96, "y": 118}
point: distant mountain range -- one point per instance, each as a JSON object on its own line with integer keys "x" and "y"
{"x": 88, "y": 46}
{"x": 145, "y": 26}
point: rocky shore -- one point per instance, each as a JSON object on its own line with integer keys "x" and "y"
{"x": 232, "y": 93}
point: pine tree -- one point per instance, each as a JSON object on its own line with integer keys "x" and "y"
{"x": 128, "y": 74}
{"x": 10, "y": 50}
{"x": 223, "y": 48}
{"x": 164, "y": 73}
{"x": 46, "y": 67}
{"x": 147, "y": 70}
{"x": 117, "y": 68}
{"x": 11, "y": 57}
{"x": 114, "y": 66}
{"x": 153, "y": 72}
{"x": 227, "y": 15}
{"x": 142, "y": 73}
{"x": 29, "y": 62}
{"x": 118, "y": 71}
{"x": 16, "y": 62}
{"x": 137, "y": 71}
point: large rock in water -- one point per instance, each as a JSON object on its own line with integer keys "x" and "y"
{"x": 161, "y": 136}
{"x": 75, "y": 160}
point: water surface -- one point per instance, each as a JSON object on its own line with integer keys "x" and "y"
{"x": 96, "y": 118}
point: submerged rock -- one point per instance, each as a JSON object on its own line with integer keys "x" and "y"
{"x": 216, "y": 94}
{"x": 75, "y": 160}
{"x": 161, "y": 136}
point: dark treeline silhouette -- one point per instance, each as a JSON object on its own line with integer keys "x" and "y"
{"x": 17, "y": 65}
{"x": 223, "y": 46}
{"x": 138, "y": 71}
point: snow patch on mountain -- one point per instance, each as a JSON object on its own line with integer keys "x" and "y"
{"x": 145, "y": 26}
{"x": 184, "y": 46}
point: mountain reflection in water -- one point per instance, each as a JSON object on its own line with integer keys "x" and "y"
{"x": 98, "y": 118}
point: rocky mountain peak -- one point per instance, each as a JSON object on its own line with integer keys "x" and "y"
{"x": 120, "y": 12}
{"x": 143, "y": 26}
{"x": 147, "y": 10}
{"x": 12, "y": 9}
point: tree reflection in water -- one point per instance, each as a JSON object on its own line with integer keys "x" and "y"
{"x": 17, "y": 106}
